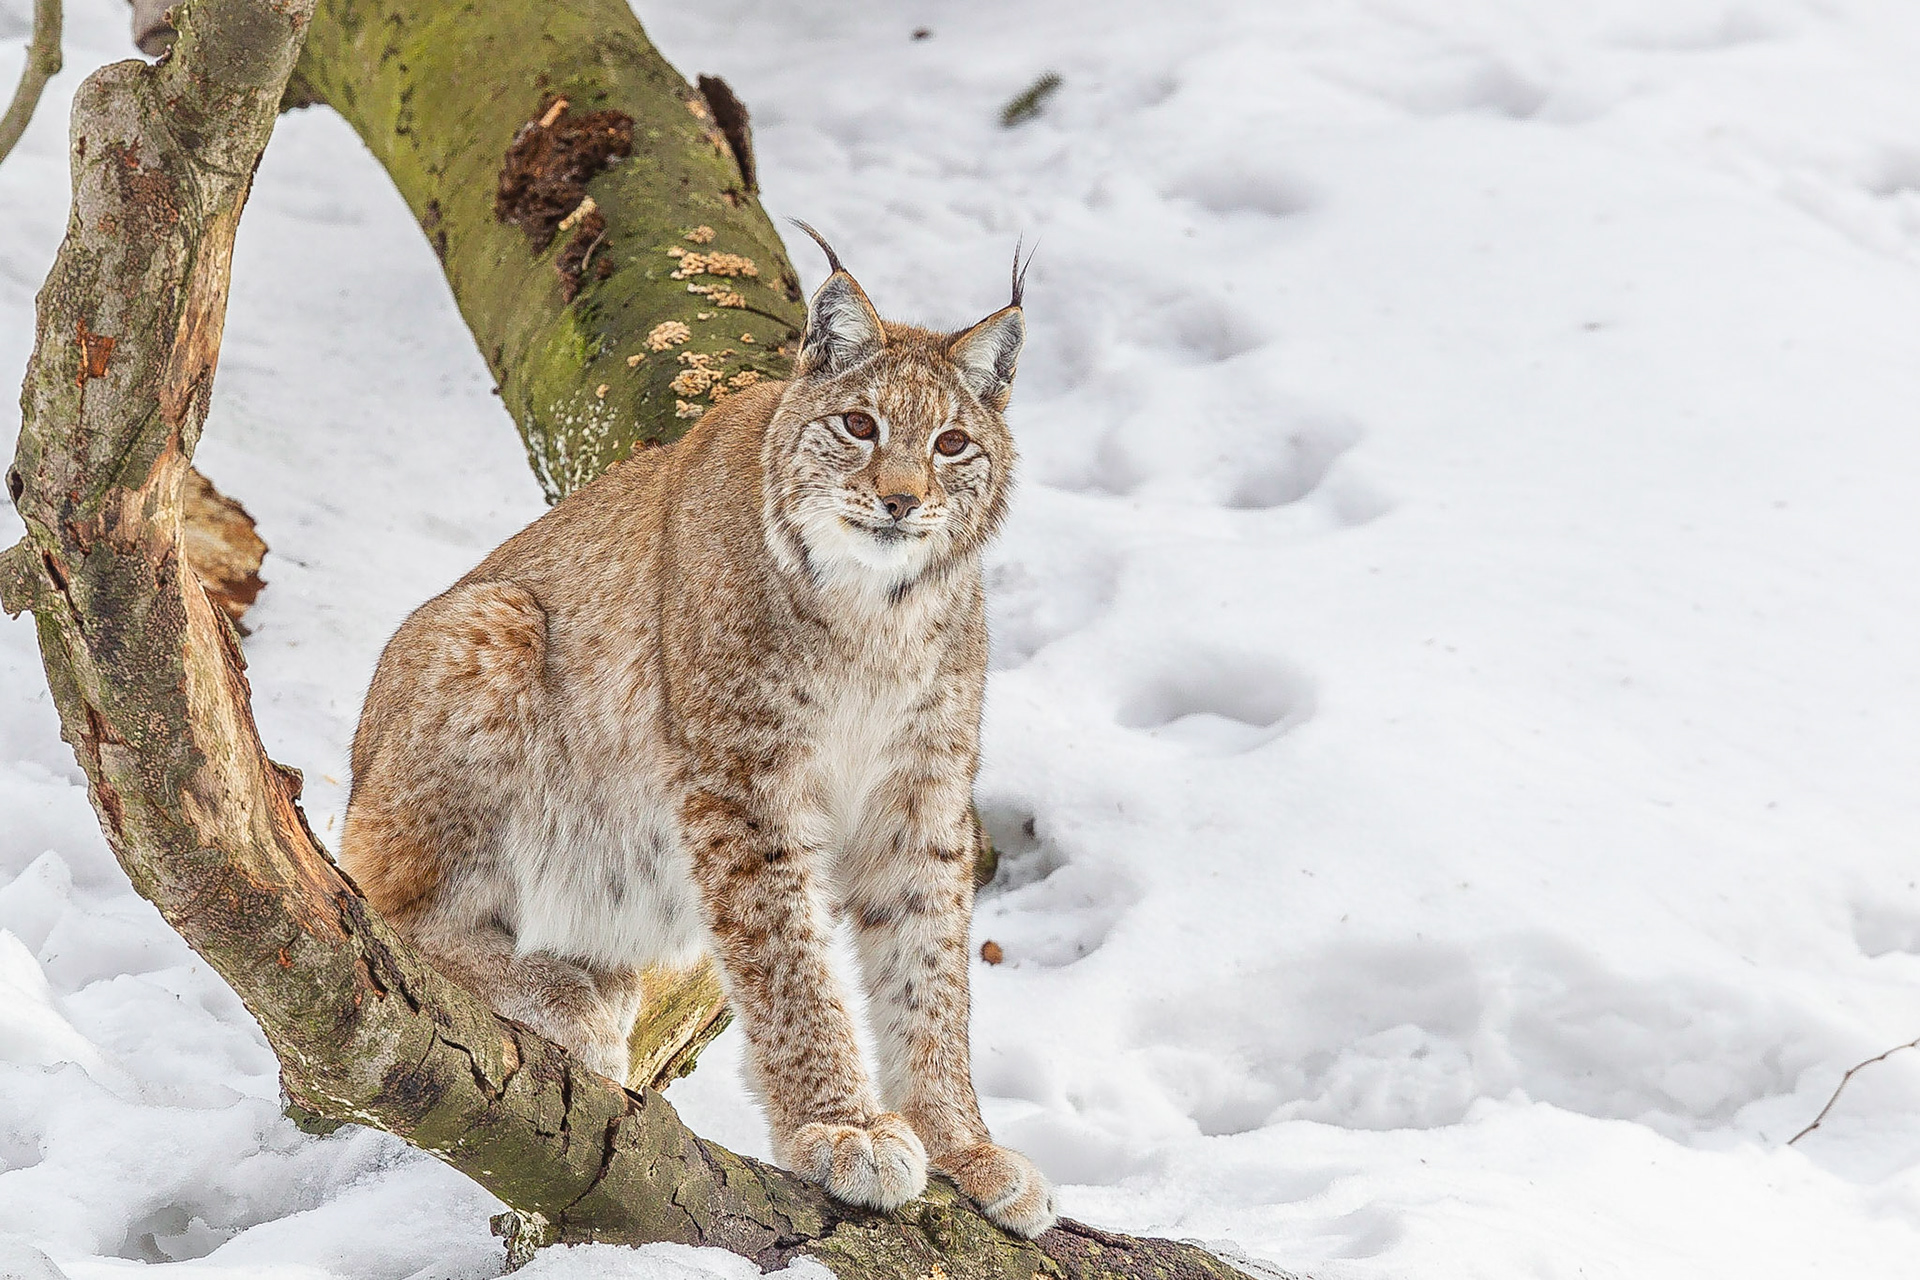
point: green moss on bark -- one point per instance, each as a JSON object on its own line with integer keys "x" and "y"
{"x": 438, "y": 91}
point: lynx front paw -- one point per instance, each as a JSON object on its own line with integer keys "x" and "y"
{"x": 879, "y": 1167}
{"x": 1008, "y": 1187}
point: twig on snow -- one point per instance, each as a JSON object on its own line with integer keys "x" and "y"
{"x": 1839, "y": 1088}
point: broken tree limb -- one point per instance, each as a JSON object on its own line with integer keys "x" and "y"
{"x": 43, "y": 64}
{"x": 150, "y": 686}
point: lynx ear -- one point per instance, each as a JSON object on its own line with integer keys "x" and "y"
{"x": 842, "y": 327}
{"x": 986, "y": 354}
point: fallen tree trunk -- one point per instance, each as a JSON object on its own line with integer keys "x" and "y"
{"x": 149, "y": 683}
{"x": 588, "y": 324}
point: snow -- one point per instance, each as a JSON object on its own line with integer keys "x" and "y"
{"x": 1452, "y": 717}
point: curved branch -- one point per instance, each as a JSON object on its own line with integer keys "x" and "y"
{"x": 43, "y": 64}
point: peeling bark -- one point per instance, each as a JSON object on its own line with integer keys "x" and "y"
{"x": 221, "y": 547}
{"x": 150, "y": 685}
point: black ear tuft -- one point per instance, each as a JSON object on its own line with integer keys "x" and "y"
{"x": 1019, "y": 271}
{"x": 833, "y": 259}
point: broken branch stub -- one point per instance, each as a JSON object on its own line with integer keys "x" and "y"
{"x": 221, "y": 547}
{"x": 730, "y": 116}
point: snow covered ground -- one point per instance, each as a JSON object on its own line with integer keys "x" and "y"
{"x": 1455, "y": 695}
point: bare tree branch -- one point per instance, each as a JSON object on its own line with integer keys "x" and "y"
{"x": 1841, "y": 1087}
{"x": 43, "y": 64}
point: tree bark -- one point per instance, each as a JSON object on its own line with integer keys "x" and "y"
{"x": 439, "y": 90}
{"x": 149, "y": 682}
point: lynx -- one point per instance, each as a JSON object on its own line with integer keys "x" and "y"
{"x": 717, "y": 701}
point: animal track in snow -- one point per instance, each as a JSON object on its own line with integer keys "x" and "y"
{"x": 1686, "y": 33}
{"x": 1208, "y": 329}
{"x": 1470, "y": 83}
{"x": 1882, "y": 930}
{"x": 1294, "y": 465}
{"x": 1897, "y": 175}
{"x": 1409, "y": 1036}
{"x": 1245, "y": 189}
{"x": 1025, "y": 858}
{"x": 1243, "y": 444}
{"x": 1064, "y": 917}
{"x": 1220, "y": 704}
{"x": 1032, "y": 603}
{"x": 1042, "y": 908}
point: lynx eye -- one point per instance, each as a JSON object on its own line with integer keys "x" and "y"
{"x": 951, "y": 442}
{"x": 860, "y": 426}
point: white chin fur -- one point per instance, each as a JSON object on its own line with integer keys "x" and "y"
{"x": 851, "y": 554}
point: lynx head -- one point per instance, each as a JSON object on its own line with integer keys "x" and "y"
{"x": 888, "y": 458}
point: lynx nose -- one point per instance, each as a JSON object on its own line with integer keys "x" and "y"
{"x": 900, "y": 505}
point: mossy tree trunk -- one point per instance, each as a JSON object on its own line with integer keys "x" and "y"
{"x": 439, "y": 89}
{"x": 150, "y": 685}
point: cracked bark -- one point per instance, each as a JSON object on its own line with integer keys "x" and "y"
{"x": 151, "y": 689}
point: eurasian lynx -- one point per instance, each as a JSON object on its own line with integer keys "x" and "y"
{"x": 721, "y": 697}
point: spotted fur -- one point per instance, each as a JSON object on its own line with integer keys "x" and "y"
{"x": 716, "y": 701}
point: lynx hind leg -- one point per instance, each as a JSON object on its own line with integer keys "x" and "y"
{"x": 588, "y": 1012}
{"x": 453, "y": 705}
{"x": 478, "y": 663}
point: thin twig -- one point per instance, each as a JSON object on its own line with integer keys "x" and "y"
{"x": 597, "y": 242}
{"x": 1837, "y": 1089}
{"x": 43, "y": 64}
